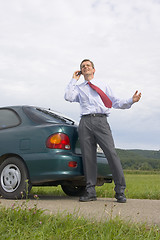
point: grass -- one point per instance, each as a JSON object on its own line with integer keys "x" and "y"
{"x": 140, "y": 185}
{"x": 21, "y": 222}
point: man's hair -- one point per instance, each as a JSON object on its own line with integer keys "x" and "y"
{"x": 85, "y": 60}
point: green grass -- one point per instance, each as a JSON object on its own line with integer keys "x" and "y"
{"x": 47, "y": 191}
{"x": 140, "y": 185}
{"x": 21, "y": 222}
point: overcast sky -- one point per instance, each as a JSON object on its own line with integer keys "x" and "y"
{"x": 42, "y": 43}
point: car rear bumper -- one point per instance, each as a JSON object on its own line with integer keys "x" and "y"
{"x": 49, "y": 167}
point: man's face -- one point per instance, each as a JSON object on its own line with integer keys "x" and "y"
{"x": 87, "y": 68}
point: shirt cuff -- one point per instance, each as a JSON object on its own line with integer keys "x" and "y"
{"x": 74, "y": 81}
{"x": 130, "y": 101}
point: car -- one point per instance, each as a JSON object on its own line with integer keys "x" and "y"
{"x": 40, "y": 147}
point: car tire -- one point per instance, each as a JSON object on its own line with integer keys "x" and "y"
{"x": 14, "y": 179}
{"x": 74, "y": 191}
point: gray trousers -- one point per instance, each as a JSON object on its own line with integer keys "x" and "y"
{"x": 93, "y": 130}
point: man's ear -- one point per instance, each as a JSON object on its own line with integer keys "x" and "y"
{"x": 94, "y": 70}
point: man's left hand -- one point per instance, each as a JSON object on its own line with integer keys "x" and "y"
{"x": 136, "y": 97}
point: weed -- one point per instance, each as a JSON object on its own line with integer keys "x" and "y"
{"x": 21, "y": 222}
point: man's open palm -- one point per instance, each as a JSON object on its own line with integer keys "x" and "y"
{"x": 136, "y": 97}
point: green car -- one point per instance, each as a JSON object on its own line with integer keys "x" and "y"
{"x": 40, "y": 147}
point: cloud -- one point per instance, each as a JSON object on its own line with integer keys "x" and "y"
{"x": 43, "y": 42}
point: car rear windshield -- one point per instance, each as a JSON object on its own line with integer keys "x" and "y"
{"x": 40, "y": 115}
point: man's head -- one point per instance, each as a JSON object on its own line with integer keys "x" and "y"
{"x": 86, "y": 60}
{"x": 87, "y": 68}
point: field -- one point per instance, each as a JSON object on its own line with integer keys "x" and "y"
{"x": 140, "y": 185}
{"x": 26, "y": 223}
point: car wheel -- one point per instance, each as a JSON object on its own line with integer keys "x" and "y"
{"x": 71, "y": 190}
{"x": 14, "y": 180}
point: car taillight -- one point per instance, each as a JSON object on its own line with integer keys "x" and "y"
{"x": 58, "y": 141}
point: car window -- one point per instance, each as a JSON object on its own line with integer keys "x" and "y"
{"x": 41, "y": 116}
{"x": 8, "y": 118}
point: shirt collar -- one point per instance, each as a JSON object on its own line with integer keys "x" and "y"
{"x": 85, "y": 81}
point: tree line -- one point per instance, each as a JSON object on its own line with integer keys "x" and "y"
{"x": 139, "y": 159}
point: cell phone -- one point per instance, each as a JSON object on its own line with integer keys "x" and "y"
{"x": 79, "y": 73}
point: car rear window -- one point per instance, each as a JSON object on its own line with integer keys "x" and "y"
{"x": 41, "y": 116}
{"x": 8, "y": 118}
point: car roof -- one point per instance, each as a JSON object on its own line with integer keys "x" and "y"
{"x": 21, "y": 107}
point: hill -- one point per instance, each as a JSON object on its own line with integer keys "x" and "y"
{"x": 139, "y": 159}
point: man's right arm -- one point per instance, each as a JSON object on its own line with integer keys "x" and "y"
{"x": 71, "y": 92}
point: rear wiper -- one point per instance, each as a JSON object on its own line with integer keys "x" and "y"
{"x": 56, "y": 116}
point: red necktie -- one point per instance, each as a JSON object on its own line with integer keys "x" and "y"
{"x": 107, "y": 102}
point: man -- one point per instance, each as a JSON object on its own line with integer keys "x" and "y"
{"x": 94, "y": 128}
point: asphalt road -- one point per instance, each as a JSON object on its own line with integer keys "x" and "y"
{"x": 135, "y": 210}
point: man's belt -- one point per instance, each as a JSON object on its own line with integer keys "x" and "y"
{"x": 94, "y": 115}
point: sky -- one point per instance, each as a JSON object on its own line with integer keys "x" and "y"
{"x": 42, "y": 43}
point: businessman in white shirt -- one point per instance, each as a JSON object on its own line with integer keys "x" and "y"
{"x": 94, "y": 128}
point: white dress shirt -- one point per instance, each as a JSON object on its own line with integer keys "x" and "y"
{"x": 89, "y": 99}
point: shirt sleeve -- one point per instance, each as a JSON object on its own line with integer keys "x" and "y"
{"x": 117, "y": 102}
{"x": 122, "y": 103}
{"x": 71, "y": 92}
